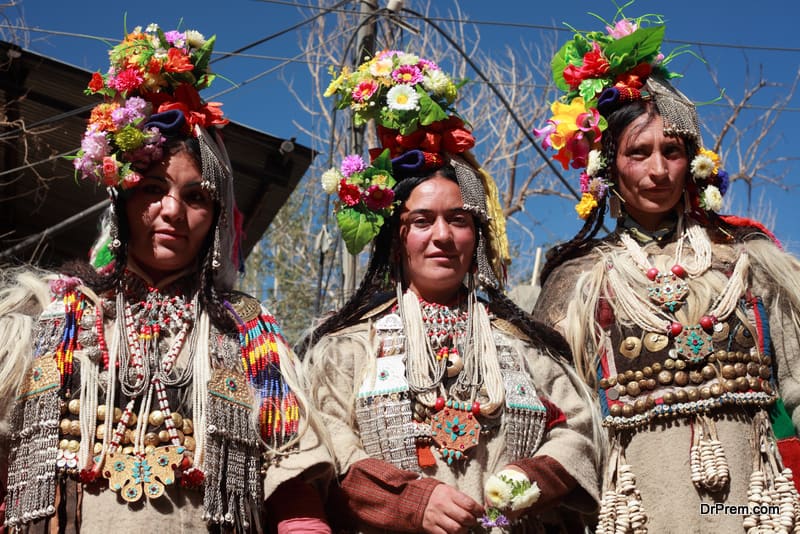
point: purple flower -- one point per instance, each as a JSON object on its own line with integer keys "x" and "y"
{"x": 352, "y": 164}
{"x": 87, "y": 166}
{"x": 426, "y": 64}
{"x": 174, "y": 37}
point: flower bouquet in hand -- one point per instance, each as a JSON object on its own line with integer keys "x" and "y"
{"x": 506, "y": 492}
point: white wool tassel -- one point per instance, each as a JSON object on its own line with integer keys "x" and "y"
{"x": 485, "y": 354}
{"x": 200, "y": 378}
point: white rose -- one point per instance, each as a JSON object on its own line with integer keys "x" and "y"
{"x": 497, "y": 492}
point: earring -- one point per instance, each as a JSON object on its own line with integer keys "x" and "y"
{"x": 614, "y": 205}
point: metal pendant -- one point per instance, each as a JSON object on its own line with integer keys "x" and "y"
{"x": 668, "y": 291}
{"x": 455, "y": 430}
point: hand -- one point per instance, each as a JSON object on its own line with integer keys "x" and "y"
{"x": 450, "y": 511}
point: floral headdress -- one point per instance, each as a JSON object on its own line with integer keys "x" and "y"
{"x": 151, "y": 72}
{"x": 151, "y": 92}
{"x": 411, "y": 100}
{"x": 600, "y": 72}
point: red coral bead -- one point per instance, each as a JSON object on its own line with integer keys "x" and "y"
{"x": 476, "y": 408}
{"x": 707, "y": 322}
{"x": 439, "y": 403}
{"x": 678, "y": 271}
{"x": 652, "y": 273}
{"x": 675, "y": 328}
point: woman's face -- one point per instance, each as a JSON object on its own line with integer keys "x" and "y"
{"x": 651, "y": 170}
{"x": 169, "y": 216}
{"x": 437, "y": 240}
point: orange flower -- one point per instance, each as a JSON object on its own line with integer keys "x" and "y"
{"x": 178, "y": 61}
{"x": 101, "y": 116}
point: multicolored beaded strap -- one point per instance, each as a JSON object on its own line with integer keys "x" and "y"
{"x": 279, "y": 412}
{"x": 74, "y": 305}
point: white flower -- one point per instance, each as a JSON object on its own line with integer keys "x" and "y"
{"x": 526, "y": 498}
{"x": 436, "y": 82}
{"x": 497, "y": 492}
{"x": 402, "y": 97}
{"x": 151, "y": 28}
{"x": 712, "y": 198}
{"x": 381, "y": 68}
{"x": 702, "y": 166}
{"x": 596, "y": 163}
{"x": 195, "y": 39}
{"x": 407, "y": 59}
{"x": 330, "y": 180}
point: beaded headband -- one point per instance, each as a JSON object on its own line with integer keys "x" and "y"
{"x": 411, "y": 100}
{"x": 601, "y": 72}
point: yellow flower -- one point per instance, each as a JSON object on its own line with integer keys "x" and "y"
{"x": 712, "y": 156}
{"x": 565, "y": 116}
{"x": 336, "y": 83}
{"x": 586, "y": 206}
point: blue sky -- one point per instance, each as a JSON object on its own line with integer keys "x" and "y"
{"x": 737, "y": 44}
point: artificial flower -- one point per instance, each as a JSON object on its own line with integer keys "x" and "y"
{"x": 382, "y": 67}
{"x": 407, "y": 75}
{"x": 711, "y": 198}
{"x": 349, "y": 193}
{"x": 437, "y": 82}
{"x": 129, "y": 138}
{"x": 131, "y": 180}
{"x": 178, "y": 61}
{"x": 724, "y": 181}
{"x": 585, "y": 207}
{"x": 622, "y": 28}
{"x": 702, "y": 166}
{"x": 352, "y": 164}
{"x": 195, "y": 39}
{"x": 100, "y": 117}
{"x": 330, "y": 180}
{"x": 97, "y": 82}
{"x": 364, "y": 90}
{"x": 402, "y": 97}
{"x": 595, "y": 163}
{"x": 127, "y": 80}
{"x": 110, "y": 171}
{"x": 497, "y": 492}
{"x": 378, "y": 197}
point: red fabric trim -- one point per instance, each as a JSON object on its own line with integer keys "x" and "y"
{"x": 383, "y": 496}
{"x": 790, "y": 454}
{"x": 554, "y": 414}
{"x": 744, "y": 222}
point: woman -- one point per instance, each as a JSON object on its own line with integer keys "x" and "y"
{"x": 158, "y": 398}
{"x": 426, "y": 390}
{"x": 684, "y": 322}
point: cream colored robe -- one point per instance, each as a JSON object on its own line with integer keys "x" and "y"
{"x": 659, "y": 454}
{"x": 336, "y": 366}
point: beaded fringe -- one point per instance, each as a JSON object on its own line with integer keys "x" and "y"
{"x": 386, "y": 429}
{"x": 621, "y": 509}
{"x": 35, "y": 446}
{"x": 772, "y": 490}
{"x": 233, "y": 490}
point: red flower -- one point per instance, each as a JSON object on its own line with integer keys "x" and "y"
{"x": 110, "y": 174}
{"x": 97, "y": 82}
{"x": 187, "y": 100}
{"x": 594, "y": 66}
{"x": 126, "y": 80}
{"x": 378, "y": 197}
{"x": 349, "y": 193}
{"x": 635, "y": 77}
{"x": 178, "y": 61}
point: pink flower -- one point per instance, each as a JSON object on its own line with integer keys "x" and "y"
{"x": 407, "y": 75}
{"x": 364, "y": 90}
{"x": 110, "y": 173}
{"x": 131, "y": 179}
{"x": 621, "y": 29}
{"x": 352, "y": 164}
{"x": 544, "y": 133}
{"x": 427, "y": 65}
{"x": 349, "y": 193}
{"x": 126, "y": 80}
{"x": 589, "y": 122}
{"x": 378, "y": 197}
{"x": 585, "y": 182}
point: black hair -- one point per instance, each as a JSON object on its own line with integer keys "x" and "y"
{"x": 376, "y": 287}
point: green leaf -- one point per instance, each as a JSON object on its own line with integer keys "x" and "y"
{"x": 358, "y": 228}
{"x": 624, "y": 54}
{"x": 204, "y": 54}
{"x": 429, "y": 110}
{"x": 383, "y": 162}
{"x": 590, "y": 88}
